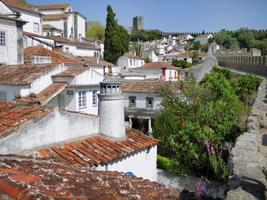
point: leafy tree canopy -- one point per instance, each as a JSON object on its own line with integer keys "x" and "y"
{"x": 96, "y": 32}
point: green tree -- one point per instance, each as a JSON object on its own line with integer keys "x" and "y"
{"x": 116, "y": 38}
{"x": 96, "y": 32}
{"x": 246, "y": 38}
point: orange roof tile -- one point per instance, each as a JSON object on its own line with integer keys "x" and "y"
{"x": 53, "y": 6}
{"x": 23, "y": 74}
{"x": 98, "y": 150}
{"x": 157, "y": 65}
{"x": 93, "y": 61}
{"x": 27, "y": 178}
{"x": 45, "y": 95}
{"x": 14, "y": 116}
{"x": 15, "y": 4}
{"x": 148, "y": 86}
{"x": 55, "y": 56}
{"x": 55, "y": 16}
{"x": 72, "y": 72}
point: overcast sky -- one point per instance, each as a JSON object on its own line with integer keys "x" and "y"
{"x": 176, "y": 15}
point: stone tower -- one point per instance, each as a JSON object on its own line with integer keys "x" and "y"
{"x": 111, "y": 108}
{"x": 138, "y": 23}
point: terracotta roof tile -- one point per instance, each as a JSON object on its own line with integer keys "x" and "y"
{"x": 93, "y": 61}
{"x": 48, "y": 26}
{"x": 157, "y": 65}
{"x": 53, "y": 6}
{"x": 14, "y": 116}
{"x": 15, "y": 4}
{"x": 26, "y": 178}
{"x": 72, "y": 72}
{"x": 44, "y": 95}
{"x": 55, "y": 16}
{"x": 130, "y": 55}
{"x": 147, "y": 86}
{"x": 98, "y": 150}
{"x": 23, "y": 74}
{"x": 55, "y": 56}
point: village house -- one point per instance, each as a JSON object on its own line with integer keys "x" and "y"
{"x": 159, "y": 71}
{"x": 29, "y": 14}
{"x": 213, "y": 48}
{"x": 11, "y": 36}
{"x": 129, "y": 60}
{"x": 72, "y": 24}
{"x": 73, "y": 138}
{"x": 203, "y": 39}
{"x": 186, "y": 56}
{"x": 51, "y": 30}
{"x": 142, "y": 102}
{"x": 48, "y": 179}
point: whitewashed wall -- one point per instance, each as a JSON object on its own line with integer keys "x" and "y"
{"x": 141, "y": 100}
{"x": 56, "y": 127}
{"x": 59, "y": 24}
{"x": 85, "y": 52}
{"x": 142, "y": 164}
{"x": 81, "y": 26}
{"x": 9, "y": 53}
{"x": 12, "y": 91}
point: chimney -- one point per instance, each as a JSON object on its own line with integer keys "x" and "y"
{"x": 111, "y": 108}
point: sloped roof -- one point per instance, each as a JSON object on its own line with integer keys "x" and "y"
{"x": 55, "y": 56}
{"x": 48, "y": 26}
{"x": 15, "y": 4}
{"x": 147, "y": 86}
{"x": 14, "y": 116}
{"x": 55, "y": 16}
{"x": 45, "y": 95}
{"x": 23, "y": 74}
{"x": 130, "y": 55}
{"x": 28, "y": 178}
{"x": 98, "y": 150}
{"x": 72, "y": 71}
{"x": 157, "y": 65}
{"x": 94, "y": 61}
{"x": 53, "y": 6}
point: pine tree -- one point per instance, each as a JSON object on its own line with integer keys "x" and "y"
{"x": 116, "y": 38}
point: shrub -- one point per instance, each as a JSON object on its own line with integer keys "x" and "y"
{"x": 164, "y": 163}
{"x": 181, "y": 63}
{"x": 225, "y": 72}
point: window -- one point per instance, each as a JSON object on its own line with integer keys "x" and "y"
{"x": 94, "y": 99}
{"x": 2, "y": 38}
{"x": 35, "y": 27}
{"x": 132, "y": 102}
{"x": 149, "y": 102}
{"x": 131, "y": 62}
{"x": 3, "y": 96}
{"x": 82, "y": 99}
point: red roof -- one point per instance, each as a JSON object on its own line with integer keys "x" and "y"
{"x": 26, "y": 178}
{"x": 98, "y": 150}
{"x": 53, "y": 6}
{"x": 55, "y": 56}
{"x": 72, "y": 72}
{"x": 45, "y": 95}
{"x": 157, "y": 65}
{"x": 13, "y": 116}
{"x": 15, "y": 4}
{"x": 55, "y": 16}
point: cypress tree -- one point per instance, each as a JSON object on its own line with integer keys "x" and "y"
{"x": 116, "y": 38}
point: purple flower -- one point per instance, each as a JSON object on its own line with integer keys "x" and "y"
{"x": 229, "y": 147}
{"x": 207, "y": 144}
{"x": 199, "y": 189}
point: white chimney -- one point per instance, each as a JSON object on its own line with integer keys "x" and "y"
{"x": 111, "y": 108}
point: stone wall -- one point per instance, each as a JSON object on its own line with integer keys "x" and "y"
{"x": 251, "y": 64}
{"x": 249, "y": 156}
{"x": 200, "y": 70}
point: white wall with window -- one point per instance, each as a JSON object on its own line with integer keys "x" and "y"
{"x": 127, "y": 62}
{"x": 9, "y": 38}
{"x": 82, "y": 99}
{"x": 142, "y": 100}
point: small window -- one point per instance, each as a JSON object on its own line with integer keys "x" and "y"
{"x": 2, "y": 38}
{"x": 131, "y": 62}
{"x": 149, "y": 102}
{"x": 36, "y": 27}
{"x": 3, "y": 96}
{"x": 132, "y": 102}
{"x": 94, "y": 99}
{"x": 82, "y": 99}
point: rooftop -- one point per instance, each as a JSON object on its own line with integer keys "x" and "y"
{"x": 156, "y": 65}
{"x": 72, "y": 72}
{"x": 48, "y": 26}
{"x": 44, "y": 96}
{"x": 26, "y": 178}
{"x": 147, "y": 86}
{"x": 15, "y": 4}
{"x": 23, "y": 74}
{"x": 130, "y": 55}
{"x": 41, "y": 51}
{"x": 56, "y": 16}
{"x": 94, "y": 61}
{"x": 14, "y": 116}
{"x": 53, "y": 6}
{"x": 98, "y": 150}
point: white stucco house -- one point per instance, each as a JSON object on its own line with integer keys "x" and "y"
{"x": 11, "y": 36}
{"x": 74, "y": 138}
{"x": 29, "y": 14}
{"x": 72, "y": 24}
{"x": 174, "y": 55}
{"x": 129, "y": 60}
{"x": 203, "y": 39}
